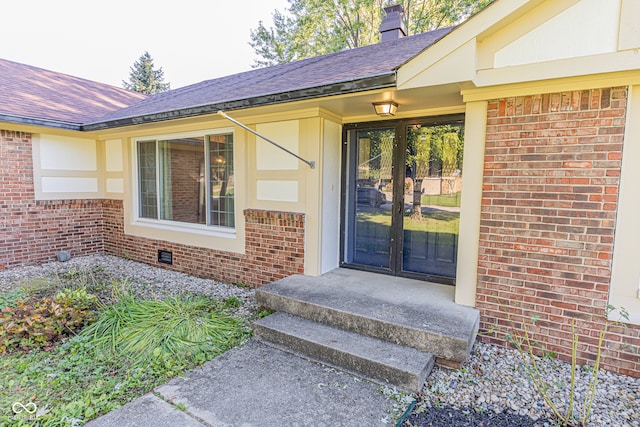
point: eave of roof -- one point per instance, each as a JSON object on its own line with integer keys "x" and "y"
{"x": 361, "y": 69}
{"x": 380, "y": 81}
{"x": 56, "y": 100}
{"x": 35, "y": 96}
{"x": 11, "y": 118}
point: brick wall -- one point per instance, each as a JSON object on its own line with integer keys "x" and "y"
{"x": 274, "y": 248}
{"x": 31, "y": 231}
{"x": 552, "y": 166}
{"x": 186, "y": 173}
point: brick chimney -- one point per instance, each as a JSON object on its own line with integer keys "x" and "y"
{"x": 392, "y": 26}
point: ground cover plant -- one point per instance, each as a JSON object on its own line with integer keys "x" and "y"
{"x": 56, "y": 371}
{"x": 28, "y": 323}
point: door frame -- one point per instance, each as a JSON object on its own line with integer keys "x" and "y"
{"x": 400, "y": 146}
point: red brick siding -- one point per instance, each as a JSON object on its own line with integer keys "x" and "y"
{"x": 552, "y": 166}
{"x": 274, "y": 248}
{"x": 185, "y": 184}
{"x": 31, "y": 231}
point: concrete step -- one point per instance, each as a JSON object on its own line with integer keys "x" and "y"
{"x": 402, "y": 311}
{"x": 372, "y": 358}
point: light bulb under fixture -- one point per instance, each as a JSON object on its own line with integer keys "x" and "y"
{"x": 385, "y": 108}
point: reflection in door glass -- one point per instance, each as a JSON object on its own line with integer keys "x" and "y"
{"x": 373, "y": 191}
{"x": 433, "y": 183}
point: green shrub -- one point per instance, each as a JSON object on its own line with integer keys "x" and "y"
{"x": 41, "y": 322}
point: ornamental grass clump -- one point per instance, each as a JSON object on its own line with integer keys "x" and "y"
{"x": 177, "y": 330}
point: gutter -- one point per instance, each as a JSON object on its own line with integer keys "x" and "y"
{"x": 10, "y": 118}
{"x": 380, "y": 81}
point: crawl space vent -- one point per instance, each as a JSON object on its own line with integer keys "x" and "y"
{"x": 165, "y": 257}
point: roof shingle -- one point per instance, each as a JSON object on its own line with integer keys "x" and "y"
{"x": 344, "y": 66}
{"x": 40, "y": 94}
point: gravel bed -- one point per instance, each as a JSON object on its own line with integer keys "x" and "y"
{"x": 144, "y": 280}
{"x": 491, "y": 388}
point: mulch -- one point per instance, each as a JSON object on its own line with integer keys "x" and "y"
{"x": 467, "y": 417}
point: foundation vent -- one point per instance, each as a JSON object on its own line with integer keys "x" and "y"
{"x": 165, "y": 257}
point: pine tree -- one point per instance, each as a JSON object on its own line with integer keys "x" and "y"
{"x": 144, "y": 78}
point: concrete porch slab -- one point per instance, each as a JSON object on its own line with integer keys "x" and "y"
{"x": 409, "y": 312}
{"x": 378, "y": 360}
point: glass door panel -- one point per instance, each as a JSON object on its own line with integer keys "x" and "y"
{"x": 402, "y": 197}
{"x": 431, "y": 211}
{"x": 372, "y": 190}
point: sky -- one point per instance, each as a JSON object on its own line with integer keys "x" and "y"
{"x": 192, "y": 40}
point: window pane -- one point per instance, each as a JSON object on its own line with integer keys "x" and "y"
{"x": 373, "y": 191}
{"x": 222, "y": 192}
{"x": 182, "y": 180}
{"x": 148, "y": 205}
{"x": 433, "y": 182}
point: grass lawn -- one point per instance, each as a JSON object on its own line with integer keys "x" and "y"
{"x": 448, "y": 200}
{"x": 123, "y": 348}
{"x": 440, "y": 222}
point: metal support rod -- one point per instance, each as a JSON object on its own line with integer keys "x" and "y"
{"x": 311, "y": 164}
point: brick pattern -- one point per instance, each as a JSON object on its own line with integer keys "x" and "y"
{"x": 552, "y": 166}
{"x": 274, "y": 248}
{"x": 187, "y": 176}
{"x": 31, "y": 232}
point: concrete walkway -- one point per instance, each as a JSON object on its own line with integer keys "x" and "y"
{"x": 257, "y": 385}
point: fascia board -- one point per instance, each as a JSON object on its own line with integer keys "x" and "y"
{"x": 571, "y": 67}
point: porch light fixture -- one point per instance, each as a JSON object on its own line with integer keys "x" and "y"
{"x": 385, "y": 108}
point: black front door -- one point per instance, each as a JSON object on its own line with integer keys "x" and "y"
{"x": 401, "y": 197}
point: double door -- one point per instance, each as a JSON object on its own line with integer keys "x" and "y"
{"x": 401, "y": 197}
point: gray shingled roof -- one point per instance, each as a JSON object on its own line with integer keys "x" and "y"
{"x": 354, "y": 70}
{"x": 34, "y": 95}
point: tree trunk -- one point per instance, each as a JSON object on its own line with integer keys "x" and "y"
{"x": 416, "y": 210}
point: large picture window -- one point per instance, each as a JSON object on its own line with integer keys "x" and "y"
{"x": 187, "y": 179}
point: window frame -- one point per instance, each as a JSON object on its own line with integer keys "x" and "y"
{"x": 214, "y": 230}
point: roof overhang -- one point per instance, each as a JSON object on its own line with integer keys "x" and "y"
{"x": 454, "y": 58}
{"x": 515, "y": 42}
{"x": 31, "y": 121}
{"x": 381, "y": 81}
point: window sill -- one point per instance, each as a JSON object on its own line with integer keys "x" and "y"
{"x": 200, "y": 230}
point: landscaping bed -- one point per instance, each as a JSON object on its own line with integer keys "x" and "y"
{"x": 492, "y": 388}
{"x": 82, "y": 338}
{"x": 67, "y": 378}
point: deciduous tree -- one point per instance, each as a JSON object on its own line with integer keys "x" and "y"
{"x": 310, "y": 28}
